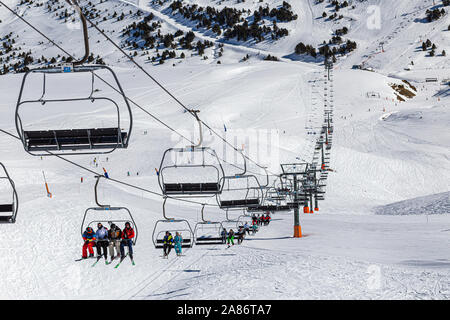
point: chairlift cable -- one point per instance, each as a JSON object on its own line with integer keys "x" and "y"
{"x": 112, "y": 179}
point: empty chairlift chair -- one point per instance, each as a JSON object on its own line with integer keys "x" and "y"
{"x": 92, "y": 138}
{"x": 192, "y": 171}
{"x": 10, "y": 206}
{"x": 240, "y": 191}
{"x": 208, "y": 232}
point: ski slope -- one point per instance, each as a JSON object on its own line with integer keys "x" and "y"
{"x": 381, "y": 233}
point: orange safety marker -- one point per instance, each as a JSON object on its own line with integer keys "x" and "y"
{"x": 49, "y": 194}
{"x": 297, "y": 231}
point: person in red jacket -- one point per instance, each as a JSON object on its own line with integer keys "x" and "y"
{"x": 89, "y": 242}
{"x": 127, "y": 240}
{"x": 268, "y": 218}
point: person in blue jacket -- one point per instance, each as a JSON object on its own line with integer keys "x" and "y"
{"x": 178, "y": 243}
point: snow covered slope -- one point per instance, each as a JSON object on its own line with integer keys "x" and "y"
{"x": 389, "y": 157}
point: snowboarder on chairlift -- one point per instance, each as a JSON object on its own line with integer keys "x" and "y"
{"x": 178, "y": 243}
{"x": 167, "y": 243}
{"x": 127, "y": 240}
{"x": 89, "y": 242}
{"x": 102, "y": 240}
{"x": 114, "y": 236}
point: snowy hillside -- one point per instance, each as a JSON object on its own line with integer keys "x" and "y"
{"x": 386, "y": 209}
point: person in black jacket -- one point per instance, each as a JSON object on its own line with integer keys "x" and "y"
{"x": 167, "y": 243}
{"x": 240, "y": 234}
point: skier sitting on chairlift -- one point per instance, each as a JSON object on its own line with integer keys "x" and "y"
{"x": 240, "y": 234}
{"x": 127, "y": 240}
{"x": 89, "y": 242}
{"x": 230, "y": 238}
{"x": 178, "y": 243}
{"x": 102, "y": 240}
{"x": 254, "y": 219}
{"x": 246, "y": 228}
{"x": 268, "y": 219}
{"x": 114, "y": 236}
{"x": 254, "y": 227}
{"x": 224, "y": 235}
{"x": 167, "y": 243}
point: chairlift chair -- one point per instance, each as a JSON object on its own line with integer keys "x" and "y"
{"x": 244, "y": 218}
{"x": 201, "y": 186}
{"x": 173, "y": 169}
{"x": 170, "y": 224}
{"x": 210, "y": 232}
{"x": 98, "y": 139}
{"x": 108, "y": 215}
{"x": 8, "y": 211}
{"x": 239, "y": 197}
{"x": 230, "y": 223}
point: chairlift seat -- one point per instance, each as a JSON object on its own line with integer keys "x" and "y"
{"x": 74, "y": 139}
{"x": 205, "y": 240}
{"x": 186, "y": 243}
{"x": 191, "y": 188}
{"x": 6, "y": 208}
{"x": 6, "y": 219}
{"x": 239, "y": 203}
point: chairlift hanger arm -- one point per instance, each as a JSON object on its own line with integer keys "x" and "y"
{"x": 96, "y": 193}
{"x": 76, "y": 6}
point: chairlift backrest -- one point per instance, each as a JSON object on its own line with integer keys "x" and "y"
{"x": 190, "y": 172}
{"x": 93, "y": 139}
{"x": 9, "y": 210}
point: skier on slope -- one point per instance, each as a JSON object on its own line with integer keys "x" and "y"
{"x": 102, "y": 240}
{"x": 167, "y": 243}
{"x": 127, "y": 240}
{"x": 89, "y": 242}
{"x": 178, "y": 243}
{"x": 114, "y": 236}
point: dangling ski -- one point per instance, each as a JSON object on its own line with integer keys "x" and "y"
{"x": 121, "y": 259}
